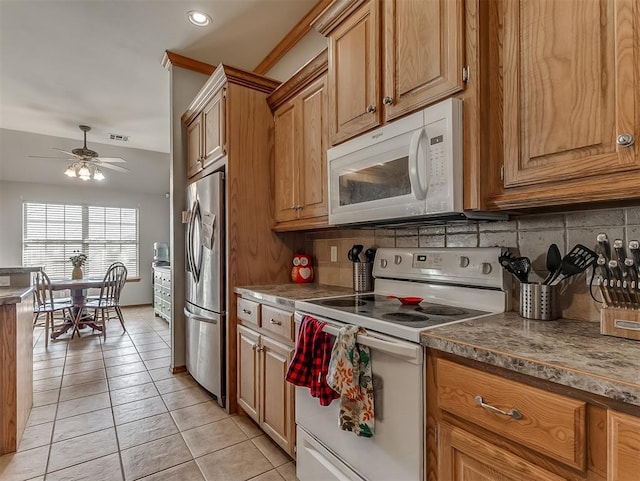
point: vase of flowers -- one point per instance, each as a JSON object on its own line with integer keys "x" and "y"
{"x": 77, "y": 260}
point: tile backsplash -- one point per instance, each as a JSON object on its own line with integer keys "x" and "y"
{"x": 528, "y": 235}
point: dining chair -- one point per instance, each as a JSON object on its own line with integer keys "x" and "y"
{"x": 109, "y": 298}
{"x": 45, "y": 303}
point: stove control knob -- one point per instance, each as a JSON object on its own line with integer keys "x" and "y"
{"x": 383, "y": 263}
{"x": 486, "y": 268}
{"x": 397, "y": 260}
{"x": 464, "y": 261}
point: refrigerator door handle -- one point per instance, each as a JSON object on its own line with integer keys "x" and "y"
{"x": 196, "y": 218}
{"x": 188, "y": 242}
{"x": 196, "y": 317}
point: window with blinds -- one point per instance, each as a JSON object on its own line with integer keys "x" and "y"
{"x": 54, "y": 232}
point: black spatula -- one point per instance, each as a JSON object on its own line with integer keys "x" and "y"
{"x": 575, "y": 262}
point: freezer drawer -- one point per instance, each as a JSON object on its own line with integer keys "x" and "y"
{"x": 205, "y": 353}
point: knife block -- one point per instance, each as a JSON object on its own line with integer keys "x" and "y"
{"x": 620, "y": 322}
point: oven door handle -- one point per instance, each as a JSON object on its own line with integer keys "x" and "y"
{"x": 409, "y": 352}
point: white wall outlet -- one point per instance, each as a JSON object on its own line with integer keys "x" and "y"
{"x": 334, "y": 253}
{"x": 5, "y": 281}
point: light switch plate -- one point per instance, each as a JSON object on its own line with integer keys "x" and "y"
{"x": 334, "y": 253}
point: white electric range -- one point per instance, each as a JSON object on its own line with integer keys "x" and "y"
{"x": 456, "y": 284}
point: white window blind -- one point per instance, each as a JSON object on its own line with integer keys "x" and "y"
{"x": 54, "y": 232}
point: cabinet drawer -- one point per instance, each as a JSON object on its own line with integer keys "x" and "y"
{"x": 249, "y": 311}
{"x": 550, "y": 423}
{"x": 278, "y": 321}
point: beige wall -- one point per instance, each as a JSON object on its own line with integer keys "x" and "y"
{"x": 308, "y": 47}
{"x": 528, "y": 235}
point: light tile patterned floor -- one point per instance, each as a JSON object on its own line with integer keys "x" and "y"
{"x": 111, "y": 411}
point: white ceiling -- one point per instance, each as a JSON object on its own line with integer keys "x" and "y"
{"x": 97, "y": 62}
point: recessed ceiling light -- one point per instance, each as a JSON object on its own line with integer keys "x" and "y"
{"x": 198, "y": 18}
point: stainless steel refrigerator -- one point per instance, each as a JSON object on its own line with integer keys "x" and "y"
{"x": 205, "y": 296}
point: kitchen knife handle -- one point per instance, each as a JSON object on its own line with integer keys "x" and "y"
{"x": 605, "y": 247}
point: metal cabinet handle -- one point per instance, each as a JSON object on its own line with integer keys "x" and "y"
{"x": 246, "y": 311}
{"x": 293, "y": 207}
{"x": 512, "y": 413}
{"x": 254, "y": 347}
{"x": 625, "y": 140}
{"x": 387, "y": 101}
{"x": 371, "y": 109}
{"x": 273, "y": 321}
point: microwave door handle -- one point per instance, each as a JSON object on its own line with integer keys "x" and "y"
{"x": 414, "y": 173}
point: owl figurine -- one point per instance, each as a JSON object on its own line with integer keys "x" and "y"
{"x": 302, "y": 269}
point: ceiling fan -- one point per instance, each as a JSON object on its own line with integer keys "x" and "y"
{"x": 86, "y": 163}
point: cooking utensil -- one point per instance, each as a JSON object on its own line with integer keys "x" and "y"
{"x": 605, "y": 247}
{"x": 554, "y": 261}
{"x": 505, "y": 258}
{"x": 575, "y": 262}
{"x": 521, "y": 266}
{"x": 407, "y": 301}
{"x": 354, "y": 253}
{"x": 370, "y": 254}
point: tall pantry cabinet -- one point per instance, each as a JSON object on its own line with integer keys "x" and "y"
{"x": 235, "y": 135}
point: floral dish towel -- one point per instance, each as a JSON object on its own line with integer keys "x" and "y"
{"x": 350, "y": 376}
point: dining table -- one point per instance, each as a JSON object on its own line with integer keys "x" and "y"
{"x": 78, "y": 289}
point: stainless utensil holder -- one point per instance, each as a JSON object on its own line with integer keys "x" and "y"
{"x": 362, "y": 278}
{"x": 539, "y": 301}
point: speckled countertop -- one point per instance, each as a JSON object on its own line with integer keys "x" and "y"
{"x": 567, "y": 352}
{"x": 13, "y": 295}
{"x": 286, "y": 295}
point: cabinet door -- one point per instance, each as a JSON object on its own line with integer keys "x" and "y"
{"x": 465, "y": 457}
{"x": 248, "y": 392}
{"x": 570, "y": 88}
{"x": 276, "y": 402}
{"x": 312, "y": 161}
{"x": 424, "y": 53}
{"x": 354, "y": 74}
{"x": 213, "y": 118}
{"x": 194, "y": 146}
{"x": 623, "y": 446}
{"x": 286, "y": 176}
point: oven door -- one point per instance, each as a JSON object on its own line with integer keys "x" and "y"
{"x": 396, "y": 450}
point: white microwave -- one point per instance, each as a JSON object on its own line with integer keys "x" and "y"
{"x": 406, "y": 170}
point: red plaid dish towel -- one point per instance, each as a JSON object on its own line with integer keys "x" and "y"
{"x": 311, "y": 360}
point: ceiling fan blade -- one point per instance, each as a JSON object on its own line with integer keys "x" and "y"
{"x": 114, "y": 167}
{"x": 43, "y": 157}
{"x": 112, "y": 160}
{"x": 67, "y": 152}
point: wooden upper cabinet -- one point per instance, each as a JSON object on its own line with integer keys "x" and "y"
{"x": 194, "y": 146}
{"x": 423, "y": 51}
{"x": 286, "y": 172}
{"x": 301, "y": 132}
{"x": 313, "y": 150}
{"x": 388, "y": 58}
{"x": 570, "y": 89}
{"x": 354, "y": 73}
{"x": 213, "y": 118}
{"x": 623, "y": 447}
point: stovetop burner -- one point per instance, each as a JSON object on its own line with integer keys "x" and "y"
{"x": 436, "y": 310}
{"x": 404, "y": 317}
{"x": 344, "y": 302}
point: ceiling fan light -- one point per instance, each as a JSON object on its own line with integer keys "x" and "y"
{"x": 71, "y": 171}
{"x": 98, "y": 175}
{"x": 83, "y": 172}
{"x": 199, "y": 19}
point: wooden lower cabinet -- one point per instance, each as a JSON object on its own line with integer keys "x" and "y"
{"x": 623, "y": 447}
{"x": 487, "y": 423}
{"x": 465, "y": 457}
{"x": 263, "y": 393}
